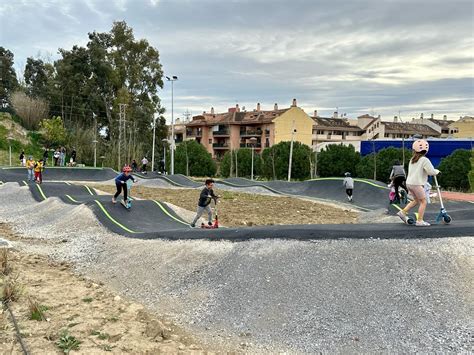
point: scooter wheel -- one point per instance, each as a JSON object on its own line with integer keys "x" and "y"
{"x": 410, "y": 221}
{"x": 447, "y": 219}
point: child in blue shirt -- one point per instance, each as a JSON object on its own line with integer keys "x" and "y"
{"x": 121, "y": 182}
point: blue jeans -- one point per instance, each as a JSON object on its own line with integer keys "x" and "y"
{"x": 31, "y": 175}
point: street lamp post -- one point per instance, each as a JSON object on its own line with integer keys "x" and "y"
{"x": 153, "y": 147}
{"x": 172, "y": 79}
{"x": 293, "y": 130}
{"x": 164, "y": 154}
{"x": 95, "y": 153}
{"x": 10, "y": 138}
{"x": 252, "y": 140}
{"x": 95, "y": 140}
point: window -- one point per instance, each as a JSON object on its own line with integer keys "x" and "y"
{"x": 210, "y": 141}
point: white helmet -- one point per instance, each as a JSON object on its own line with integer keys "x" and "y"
{"x": 420, "y": 145}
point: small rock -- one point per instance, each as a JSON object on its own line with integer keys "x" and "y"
{"x": 117, "y": 298}
{"x": 154, "y": 329}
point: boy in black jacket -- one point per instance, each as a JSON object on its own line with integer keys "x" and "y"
{"x": 207, "y": 194}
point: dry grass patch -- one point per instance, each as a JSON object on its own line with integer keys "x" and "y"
{"x": 246, "y": 209}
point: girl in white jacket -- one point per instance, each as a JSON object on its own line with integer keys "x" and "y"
{"x": 419, "y": 169}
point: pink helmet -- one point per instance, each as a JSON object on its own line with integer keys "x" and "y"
{"x": 420, "y": 145}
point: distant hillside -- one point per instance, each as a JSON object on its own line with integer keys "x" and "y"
{"x": 22, "y": 140}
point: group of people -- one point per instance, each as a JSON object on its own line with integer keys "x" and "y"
{"x": 59, "y": 157}
{"x": 415, "y": 185}
{"x": 34, "y": 169}
{"x": 204, "y": 202}
{"x": 134, "y": 166}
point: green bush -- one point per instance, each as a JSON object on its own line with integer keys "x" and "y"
{"x": 471, "y": 173}
{"x": 455, "y": 170}
{"x": 276, "y": 159}
{"x": 244, "y": 163}
{"x": 193, "y": 155}
{"x": 385, "y": 159}
{"x": 336, "y": 159}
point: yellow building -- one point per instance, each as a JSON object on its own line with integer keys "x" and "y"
{"x": 220, "y": 132}
{"x": 463, "y": 128}
{"x": 293, "y": 119}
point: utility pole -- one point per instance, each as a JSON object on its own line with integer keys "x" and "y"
{"x": 316, "y": 161}
{"x": 403, "y": 139}
{"x": 293, "y": 130}
{"x": 95, "y": 140}
{"x": 172, "y": 79}
{"x": 153, "y": 147}
{"x": 375, "y": 160}
{"x": 122, "y": 108}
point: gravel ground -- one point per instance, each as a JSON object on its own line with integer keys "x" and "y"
{"x": 267, "y": 296}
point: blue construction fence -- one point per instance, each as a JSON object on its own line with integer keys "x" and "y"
{"x": 439, "y": 148}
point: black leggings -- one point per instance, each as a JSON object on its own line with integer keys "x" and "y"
{"x": 397, "y": 182}
{"x": 349, "y": 192}
{"x": 119, "y": 190}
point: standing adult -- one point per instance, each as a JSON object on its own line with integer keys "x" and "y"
{"x": 45, "y": 157}
{"x": 162, "y": 166}
{"x": 56, "y": 157}
{"x": 22, "y": 158}
{"x": 144, "y": 164}
{"x": 30, "y": 166}
{"x": 73, "y": 157}
{"x": 398, "y": 176}
{"x": 62, "y": 156}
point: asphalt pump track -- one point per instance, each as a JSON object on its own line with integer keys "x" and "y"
{"x": 54, "y": 173}
{"x": 150, "y": 219}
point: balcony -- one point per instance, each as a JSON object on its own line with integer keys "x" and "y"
{"x": 249, "y": 145}
{"x": 252, "y": 132}
{"x": 194, "y": 133}
{"x": 220, "y": 146}
{"x": 221, "y": 133}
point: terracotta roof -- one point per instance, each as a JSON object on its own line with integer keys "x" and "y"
{"x": 441, "y": 123}
{"x": 236, "y": 118}
{"x": 337, "y": 124}
{"x": 368, "y": 124}
{"x": 409, "y": 128}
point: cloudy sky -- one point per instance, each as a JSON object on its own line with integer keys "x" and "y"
{"x": 362, "y": 56}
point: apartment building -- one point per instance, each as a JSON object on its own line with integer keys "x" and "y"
{"x": 236, "y": 128}
{"x": 375, "y": 128}
{"x": 442, "y": 126}
{"x": 334, "y": 129}
{"x": 463, "y": 128}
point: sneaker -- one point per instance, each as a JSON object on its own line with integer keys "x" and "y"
{"x": 402, "y": 216}
{"x": 422, "y": 224}
{"x": 114, "y": 200}
{"x": 193, "y": 225}
{"x": 209, "y": 223}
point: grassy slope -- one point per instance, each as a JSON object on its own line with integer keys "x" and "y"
{"x": 32, "y": 147}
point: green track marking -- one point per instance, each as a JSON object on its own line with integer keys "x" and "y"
{"x": 41, "y": 191}
{"x": 169, "y": 214}
{"x": 73, "y": 200}
{"x": 89, "y": 190}
{"x": 59, "y": 168}
{"x": 112, "y": 219}
{"x": 355, "y": 179}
